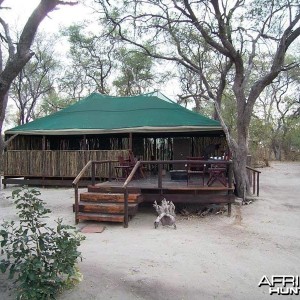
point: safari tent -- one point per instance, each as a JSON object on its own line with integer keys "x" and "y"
{"x": 101, "y": 127}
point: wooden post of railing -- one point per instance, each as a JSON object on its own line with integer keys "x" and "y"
{"x": 160, "y": 177}
{"x": 255, "y": 180}
{"x": 126, "y": 208}
{"x": 76, "y": 203}
{"x": 230, "y": 175}
{"x": 127, "y": 181}
{"x": 76, "y": 184}
{"x": 249, "y": 163}
{"x": 230, "y": 184}
{"x": 254, "y": 183}
{"x": 257, "y": 191}
{"x": 93, "y": 173}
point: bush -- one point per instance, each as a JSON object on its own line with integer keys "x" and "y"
{"x": 41, "y": 259}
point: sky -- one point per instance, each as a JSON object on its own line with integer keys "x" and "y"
{"x": 64, "y": 16}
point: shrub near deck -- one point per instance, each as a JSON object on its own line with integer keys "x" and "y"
{"x": 42, "y": 259}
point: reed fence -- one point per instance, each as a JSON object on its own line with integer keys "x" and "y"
{"x": 66, "y": 163}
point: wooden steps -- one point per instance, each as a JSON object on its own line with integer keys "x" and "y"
{"x": 101, "y": 205}
{"x": 108, "y": 197}
{"x": 112, "y": 189}
{"x": 108, "y": 208}
{"x": 100, "y": 217}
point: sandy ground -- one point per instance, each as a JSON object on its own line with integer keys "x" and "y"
{"x": 215, "y": 257}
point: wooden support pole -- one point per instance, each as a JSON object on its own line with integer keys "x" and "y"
{"x": 229, "y": 209}
{"x": 84, "y": 142}
{"x": 130, "y": 141}
{"x": 44, "y": 143}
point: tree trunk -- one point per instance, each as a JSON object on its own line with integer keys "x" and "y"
{"x": 277, "y": 148}
{"x": 240, "y": 172}
{"x": 2, "y": 116}
{"x": 1, "y": 153}
{"x": 240, "y": 152}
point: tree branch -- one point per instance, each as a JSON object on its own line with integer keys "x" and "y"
{"x": 8, "y": 39}
{"x": 203, "y": 32}
{"x": 288, "y": 36}
{"x": 71, "y": 3}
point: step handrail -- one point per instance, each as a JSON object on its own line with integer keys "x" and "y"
{"x": 254, "y": 181}
{"x": 80, "y": 174}
{"x": 127, "y": 181}
{"x": 75, "y": 183}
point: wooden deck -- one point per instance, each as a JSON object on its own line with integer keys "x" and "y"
{"x": 105, "y": 202}
{"x": 149, "y": 189}
{"x": 172, "y": 190}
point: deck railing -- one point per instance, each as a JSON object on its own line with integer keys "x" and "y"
{"x": 160, "y": 176}
{"x": 254, "y": 180}
{"x": 91, "y": 165}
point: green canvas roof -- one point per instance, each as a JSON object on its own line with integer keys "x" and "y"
{"x": 102, "y": 114}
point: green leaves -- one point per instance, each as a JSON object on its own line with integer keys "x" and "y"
{"x": 4, "y": 265}
{"x": 41, "y": 259}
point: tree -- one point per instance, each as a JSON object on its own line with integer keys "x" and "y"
{"x": 36, "y": 79}
{"x": 53, "y": 102}
{"x": 91, "y": 61}
{"x": 193, "y": 91}
{"x": 19, "y": 53}
{"x": 135, "y": 73}
{"x": 97, "y": 58}
{"x": 235, "y": 34}
{"x": 276, "y": 110}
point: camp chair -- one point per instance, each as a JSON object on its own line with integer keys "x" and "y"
{"x": 195, "y": 168}
{"x": 217, "y": 172}
{"x": 123, "y": 169}
{"x": 132, "y": 161}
